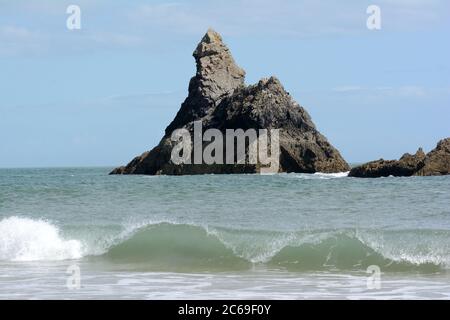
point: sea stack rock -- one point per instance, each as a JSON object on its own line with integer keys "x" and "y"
{"x": 435, "y": 163}
{"x": 219, "y": 99}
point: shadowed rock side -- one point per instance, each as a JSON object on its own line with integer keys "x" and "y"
{"x": 219, "y": 98}
{"x": 435, "y": 163}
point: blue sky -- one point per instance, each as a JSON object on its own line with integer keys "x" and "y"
{"x": 105, "y": 93}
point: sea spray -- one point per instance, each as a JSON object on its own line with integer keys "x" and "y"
{"x": 166, "y": 246}
{"x": 24, "y": 239}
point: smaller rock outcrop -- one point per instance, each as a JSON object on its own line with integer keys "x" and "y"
{"x": 436, "y": 162}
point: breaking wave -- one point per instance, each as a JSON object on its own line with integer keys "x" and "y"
{"x": 175, "y": 247}
{"x": 183, "y": 247}
{"x": 23, "y": 239}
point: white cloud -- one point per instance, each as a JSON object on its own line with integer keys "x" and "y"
{"x": 115, "y": 39}
{"x": 412, "y": 91}
{"x": 17, "y": 39}
{"x": 347, "y": 89}
{"x": 297, "y": 18}
{"x": 39, "y": 26}
{"x": 406, "y": 91}
{"x": 250, "y": 17}
{"x": 14, "y": 32}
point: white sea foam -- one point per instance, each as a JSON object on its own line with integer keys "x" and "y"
{"x": 317, "y": 175}
{"x": 23, "y": 239}
{"x": 332, "y": 175}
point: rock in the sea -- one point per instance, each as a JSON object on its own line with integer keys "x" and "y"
{"x": 436, "y": 162}
{"x": 219, "y": 99}
{"x": 406, "y": 166}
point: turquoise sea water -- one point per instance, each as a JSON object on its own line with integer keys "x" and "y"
{"x": 293, "y": 236}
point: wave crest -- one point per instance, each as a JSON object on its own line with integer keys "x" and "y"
{"x": 172, "y": 247}
{"x": 169, "y": 246}
{"x": 23, "y": 239}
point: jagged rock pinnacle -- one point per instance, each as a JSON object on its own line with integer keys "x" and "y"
{"x": 209, "y": 41}
{"x": 217, "y": 73}
{"x": 217, "y": 76}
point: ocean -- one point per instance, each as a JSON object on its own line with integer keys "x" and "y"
{"x": 78, "y": 233}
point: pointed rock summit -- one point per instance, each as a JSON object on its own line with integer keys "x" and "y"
{"x": 219, "y": 99}
{"x": 437, "y": 161}
{"x": 217, "y": 76}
